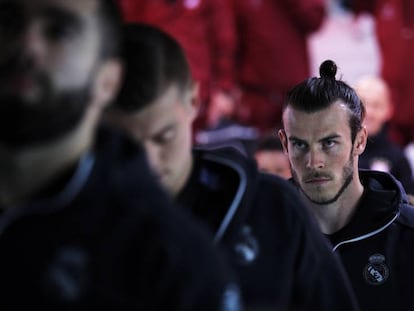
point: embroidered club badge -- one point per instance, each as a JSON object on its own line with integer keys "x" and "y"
{"x": 376, "y": 272}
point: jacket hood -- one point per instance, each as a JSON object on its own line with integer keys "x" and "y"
{"x": 385, "y": 183}
{"x": 224, "y": 162}
{"x": 379, "y": 206}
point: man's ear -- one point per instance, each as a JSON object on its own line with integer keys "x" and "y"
{"x": 360, "y": 141}
{"x": 195, "y": 103}
{"x": 107, "y": 83}
{"x": 283, "y": 140}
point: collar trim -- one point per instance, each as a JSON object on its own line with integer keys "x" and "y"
{"x": 368, "y": 235}
{"x": 237, "y": 198}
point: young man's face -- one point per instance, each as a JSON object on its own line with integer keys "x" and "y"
{"x": 165, "y": 129}
{"x": 48, "y": 57}
{"x": 320, "y": 151}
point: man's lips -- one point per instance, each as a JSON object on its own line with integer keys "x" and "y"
{"x": 22, "y": 82}
{"x": 317, "y": 180}
{"x": 160, "y": 175}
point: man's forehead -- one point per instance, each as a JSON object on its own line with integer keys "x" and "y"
{"x": 336, "y": 112}
{"x": 326, "y": 122}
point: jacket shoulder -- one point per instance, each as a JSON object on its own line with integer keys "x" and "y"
{"x": 406, "y": 217}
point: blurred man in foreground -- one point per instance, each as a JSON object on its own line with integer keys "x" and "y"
{"x": 82, "y": 225}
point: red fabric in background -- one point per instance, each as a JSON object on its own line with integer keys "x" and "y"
{"x": 273, "y": 54}
{"x": 394, "y": 22}
{"x": 204, "y": 28}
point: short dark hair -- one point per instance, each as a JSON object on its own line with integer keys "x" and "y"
{"x": 153, "y": 62}
{"x": 315, "y": 94}
{"x": 110, "y": 18}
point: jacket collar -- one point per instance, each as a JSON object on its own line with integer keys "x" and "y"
{"x": 378, "y": 208}
{"x": 213, "y": 168}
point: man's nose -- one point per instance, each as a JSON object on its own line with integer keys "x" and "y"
{"x": 33, "y": 43}
{"x": 154, "y": 155}
{"x": 315, "y": 159}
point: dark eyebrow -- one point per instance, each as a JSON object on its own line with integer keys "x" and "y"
{"x": 65, "y": 16}
{"x": 294, "y": 138}
{"x": 332, "y": 136}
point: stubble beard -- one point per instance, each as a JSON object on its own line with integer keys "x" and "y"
{"x": 347, "y": 176}
{"x": 51, "y": 115}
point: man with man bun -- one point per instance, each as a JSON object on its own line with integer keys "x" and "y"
{"x": 365, "y": 214}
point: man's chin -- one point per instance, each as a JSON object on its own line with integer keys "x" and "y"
{"x": 316, "y": 198}
{"x": 29, "y": 130}
{"x": 25, "y": 123}
{"x": 321, "y": 201}
{"x": 163, "y": 180}
{"x": 324, "y": 199}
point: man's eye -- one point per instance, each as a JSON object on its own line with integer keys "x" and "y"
{"x": 165, "y": 137}
{"x": 299, "y": 145}
{"x": 56, "y": 30}
{"x": 329, "y": 143}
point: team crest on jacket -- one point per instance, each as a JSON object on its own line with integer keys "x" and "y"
{"x": 376, "y": 272}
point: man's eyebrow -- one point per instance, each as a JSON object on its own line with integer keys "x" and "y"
{"x": 63, "y": 15}
{"x": 331, "y": 136}
{"x": 294, "y": 138}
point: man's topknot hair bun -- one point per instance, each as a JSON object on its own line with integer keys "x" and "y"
{"x": 328, "y": 69}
